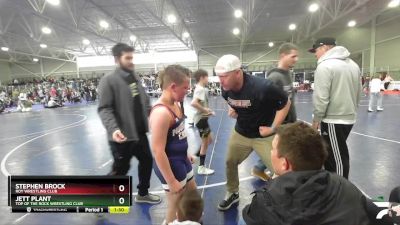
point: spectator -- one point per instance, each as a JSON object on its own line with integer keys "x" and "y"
{"x": 2, "y": 94}
{"x": 366, "y": 84}
{"x": 52, "y": 103}
{"x": 53, "y": 91}
{"x": 190, "y": 209}
{"x": 336, "y": 97}
{"x": 304, "y": 193}
{"x": 200, "y": 118}
{"x": 24, "y": 104}
{"x": 123, "y": 110}
{"x": 375, "y": 95}
{"x": 281, "y": 77}
{"x": 386, "y": 79}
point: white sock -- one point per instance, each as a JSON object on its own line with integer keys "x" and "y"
{"x": 228, "y": 194}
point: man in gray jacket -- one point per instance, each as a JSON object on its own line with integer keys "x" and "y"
{"x": 123, "y": 109}
{"x": 337, "y": 92}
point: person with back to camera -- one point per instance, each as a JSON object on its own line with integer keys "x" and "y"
{"x": 375, "y": 95}
{"x": 189, "y": 209}
{"x": 304, "y": 193}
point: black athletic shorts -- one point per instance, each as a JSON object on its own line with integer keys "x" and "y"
{"x": 204, "y": 127}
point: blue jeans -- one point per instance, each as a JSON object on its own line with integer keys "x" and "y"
{"x": 375, "y": 97}
{"x": 260, "y": 166}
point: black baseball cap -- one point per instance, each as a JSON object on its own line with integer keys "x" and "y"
{"x": 322, "y": 41}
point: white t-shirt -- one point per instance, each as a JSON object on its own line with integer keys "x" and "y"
{"x": 51, "y": 103}
{"x": 375, "y": 85}
{"x": 187, "y": 222}
{"x": 200, "y": 93}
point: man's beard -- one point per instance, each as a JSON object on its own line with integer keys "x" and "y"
{"x": 128, "y": 69}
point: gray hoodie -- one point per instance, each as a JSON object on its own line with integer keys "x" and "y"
{"x": 337, "y": 87}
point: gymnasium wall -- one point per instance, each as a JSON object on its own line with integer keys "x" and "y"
{"x": 5, "y": 74}
{"x": 49, "y": 67}
{"x": 387, "y": 44}
{"x": 257, "y": 56}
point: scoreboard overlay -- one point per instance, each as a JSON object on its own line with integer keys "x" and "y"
{"x": 63, "y": 194}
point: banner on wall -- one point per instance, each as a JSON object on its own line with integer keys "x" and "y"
{"x": 140, "y": 58}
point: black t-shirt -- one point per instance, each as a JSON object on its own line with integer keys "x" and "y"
{"x": 256, "y": 104}
{"x": 137, "y": 105}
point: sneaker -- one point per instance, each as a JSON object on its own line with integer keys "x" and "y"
{"x": 229, "y": 201}
{"x": 149, "y": 198}
{"x": 260, "y": 174}
{"x": 202, "y": 170}
{"x": 379, "y": 109}
{"x": 370, "y": 110}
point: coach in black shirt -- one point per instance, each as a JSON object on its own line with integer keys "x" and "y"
{"x": 259, "y": 107}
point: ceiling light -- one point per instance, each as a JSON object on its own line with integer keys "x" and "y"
{"x": 292, "y": 26}
{"x": 104, "y": 24}
{"x": 186, "y": 35}
{"x": 236, "y": 31}
{"x": 351, "y": 23}
{"x": 35, "y": 59}
{"x": 238, "y": 13}
{"x": 86, "y": 42}
{"x": 43, "y": 45}
{"x": 271, "y": 44}
{"x": 313, "y": 7}
{"x": 5, "y": 49}
{"x": 53, "y": 2}
{"x": 171, "y": 18}
{"x": 46, "y": 30}
{"x": 133, "y": 38}
{"x": 394, "y": 3}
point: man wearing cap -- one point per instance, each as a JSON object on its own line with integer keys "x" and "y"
{"x": 259, "y": 107}
{"x": 337, "y": 92}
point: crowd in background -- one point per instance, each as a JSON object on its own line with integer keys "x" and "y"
{"x": 53, "y": 91}
{"x": 383, "y": 76}
{"x": 61, "y": 91}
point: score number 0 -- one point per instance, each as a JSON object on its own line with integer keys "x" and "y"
{"x": 121, "y": 200}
